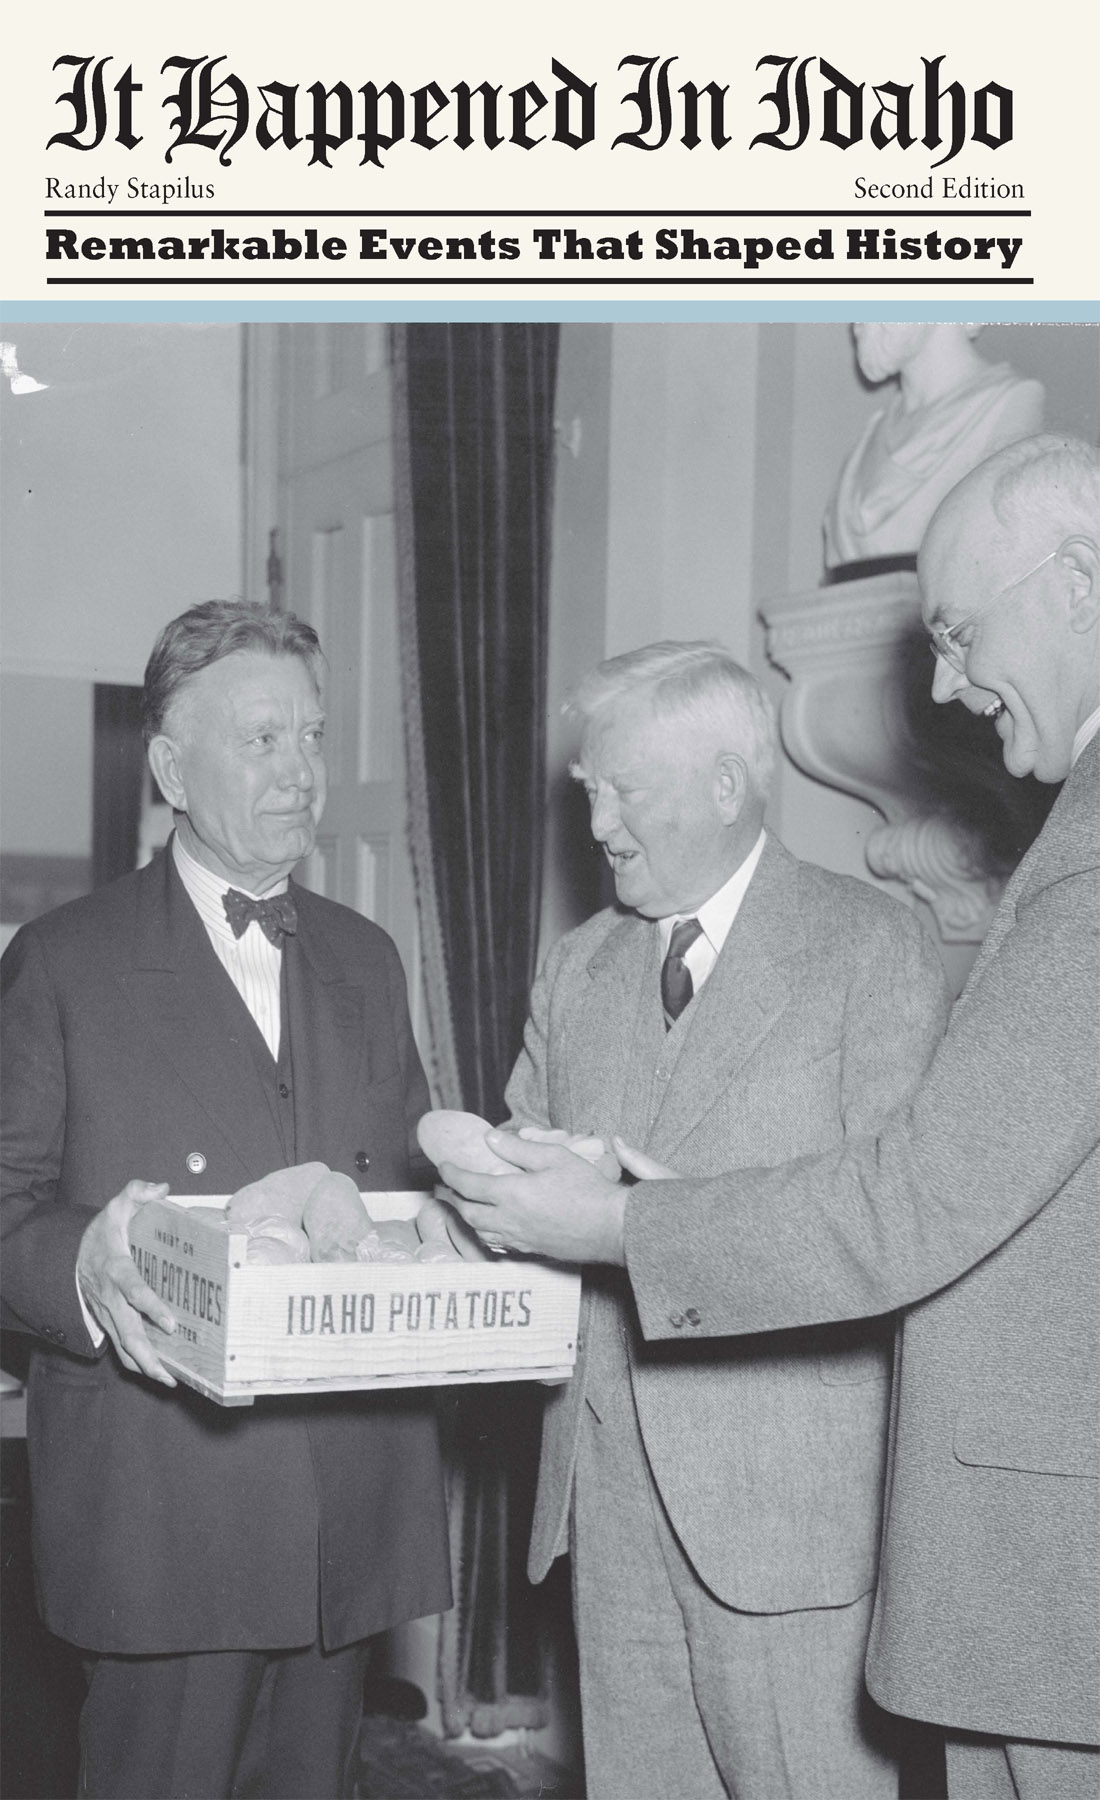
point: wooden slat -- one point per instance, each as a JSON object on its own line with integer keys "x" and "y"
{"x": 245, "y": 1329}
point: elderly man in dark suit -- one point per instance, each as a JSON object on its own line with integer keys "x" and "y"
{"x": 190, "y": 1028}
{"x": 722, "y": 1500}
{"x": 976, "y": 1206}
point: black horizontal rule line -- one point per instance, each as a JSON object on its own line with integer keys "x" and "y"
{"x": 539, "y": 281}
{"x": 161, "y": 212}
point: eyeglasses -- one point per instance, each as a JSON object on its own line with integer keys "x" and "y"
{"x": 943, "y": 636}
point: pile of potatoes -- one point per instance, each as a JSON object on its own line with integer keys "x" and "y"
{"x": 309, "y": 1213}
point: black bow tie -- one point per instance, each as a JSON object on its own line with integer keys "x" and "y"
{"x": 276, "y": 916}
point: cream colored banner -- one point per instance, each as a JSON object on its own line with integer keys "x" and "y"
{"x": 429, "y": 151}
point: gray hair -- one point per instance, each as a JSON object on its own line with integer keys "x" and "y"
{"x": 1049, "y": 484}
{"x": 697, "y": 681}
{"x": 204, "y": 634}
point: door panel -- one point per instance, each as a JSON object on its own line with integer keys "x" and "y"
{"x": 320, "y": 470}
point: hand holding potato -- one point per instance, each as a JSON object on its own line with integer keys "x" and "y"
{"x": 592, "y": 1149}
{"x": 553, "y": 1203}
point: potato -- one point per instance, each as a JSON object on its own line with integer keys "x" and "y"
{"x": 466, "y": 1241}
{"x": 334, "y": 1219}
{"x": 459, "y": 1138}
{"x": 268, "y": 1250}
{"x": 374, "y": 1248}
{"x": 284, "y": 1192}
{"x": 431, "y": 1220}
{"x": 291, "y": 1235}
{"x": 210, "y": 1215}
{"x": 440, "y": 1228}
{"x": 434, "y": 1251}
{"x": 400, "y": 1233}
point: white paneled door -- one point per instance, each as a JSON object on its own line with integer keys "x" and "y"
{"x": 320, "y": 539}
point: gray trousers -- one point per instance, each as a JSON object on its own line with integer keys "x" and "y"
{"x": 681, "y": 1694}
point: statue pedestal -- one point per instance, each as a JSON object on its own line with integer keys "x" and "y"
{"x": 852, "y": 652}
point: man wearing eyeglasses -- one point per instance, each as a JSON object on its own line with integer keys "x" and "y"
{"x": 975, "y": 1207}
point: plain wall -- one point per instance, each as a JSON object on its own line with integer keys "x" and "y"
{"x": 121, "y": 497}
{"x": 578, "y": 608}
{"x": 120, "y": 505}
{"x": 682, "y": 483}
{"x": 45, "y": 765}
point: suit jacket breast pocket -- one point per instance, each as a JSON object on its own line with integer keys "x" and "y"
{"x": 1042, "y": 1435}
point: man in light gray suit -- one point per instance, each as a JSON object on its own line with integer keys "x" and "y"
{"x": 975, "y": 1206}
{"x": 722, "y": 1501}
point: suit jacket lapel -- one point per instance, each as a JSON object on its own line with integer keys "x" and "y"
{"x": 743, "y": 997}
{"x": 610, "y": 1017}
{"x": 327, "y": 1035}
{"x": 185, "y": 1001}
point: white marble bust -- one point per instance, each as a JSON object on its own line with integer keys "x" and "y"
{"x": 950, "y": 410}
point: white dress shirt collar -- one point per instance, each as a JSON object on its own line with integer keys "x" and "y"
{"x": 1086, "y": 734}
{"x": 206, "y": 890}
{"x": 717, "y": 914}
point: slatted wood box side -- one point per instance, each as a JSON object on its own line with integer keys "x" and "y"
{"x": 245, "y": 1330}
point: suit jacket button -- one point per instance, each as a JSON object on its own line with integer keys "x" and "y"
{"x": 692, "y": 1316}
{"x": 196, "y": 1162}
{"x": 676, "y": 1320}
{"x": 362, "y": 1160}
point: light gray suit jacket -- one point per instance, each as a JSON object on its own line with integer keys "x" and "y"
{"x": 981, "y": 1202}
{"x": 821, "y": 1013}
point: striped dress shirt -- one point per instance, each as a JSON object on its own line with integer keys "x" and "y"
{"x": 252, "y": 962}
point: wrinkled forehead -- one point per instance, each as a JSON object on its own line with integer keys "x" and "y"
{"x": 244, "y": 685}
{"x": 628, "y": 735}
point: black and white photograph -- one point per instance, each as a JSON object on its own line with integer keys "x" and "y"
{"x": 551, "y": 1128}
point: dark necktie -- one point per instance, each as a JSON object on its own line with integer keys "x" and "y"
{"x": 276, "y": 916}
{"x": 676, "y": 983}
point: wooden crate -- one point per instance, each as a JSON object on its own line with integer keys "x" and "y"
{"x": 302, "y": 1328}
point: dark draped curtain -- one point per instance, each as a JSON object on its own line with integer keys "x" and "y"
{"x": 473, "y": 434}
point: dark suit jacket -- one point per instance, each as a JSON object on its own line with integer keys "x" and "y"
{"x": 161, "y": 1522}
{"x": 979, "y": 1207}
